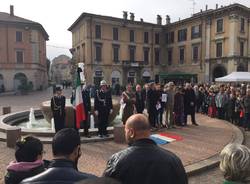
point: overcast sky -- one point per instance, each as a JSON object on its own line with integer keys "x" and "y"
{"x": 56, "y": 16}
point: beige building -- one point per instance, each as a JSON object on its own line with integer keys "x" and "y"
{"x": 22, "y": 52}
{"x": 210, "y": 44}
{"x": 60, "y": 69}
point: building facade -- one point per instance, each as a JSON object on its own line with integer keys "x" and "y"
{"x": 60, "y": 70}
{"x": 209, "y": 44}
{"x": 22, "y": 52}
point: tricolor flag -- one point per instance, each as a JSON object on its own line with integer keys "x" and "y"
{"x": 78, "y": 103}
{"x": 165, "y": 138}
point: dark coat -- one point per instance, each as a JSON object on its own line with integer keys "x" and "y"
{"x": 145, "y": 162}
{"x": 57, "y": 105}
{"x": 139, "y": 101}
{"x": 15, "y": 177}
{"x": 60, "y": 171}
{"x": 152, "y": 99}
{"x": 189, "y": 97}
{"x": 103, "y": 101}
{"x": 86, "y": 101}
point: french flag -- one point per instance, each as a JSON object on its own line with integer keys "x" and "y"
{"x": 165, "y": 138}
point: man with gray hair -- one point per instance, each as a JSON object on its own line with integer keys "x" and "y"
{"x": 143, "y": 161}
{"x": 235, "y": 163}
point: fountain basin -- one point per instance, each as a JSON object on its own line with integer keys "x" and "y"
{"x": 17, "y": 118}
{"x": 69, "y": 119}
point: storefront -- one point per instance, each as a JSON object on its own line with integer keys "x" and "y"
{"x": 177, "y": 78}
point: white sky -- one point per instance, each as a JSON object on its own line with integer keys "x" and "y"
{"x": 57, "y": 16}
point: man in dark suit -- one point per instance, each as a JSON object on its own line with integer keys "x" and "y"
{"x": 57, "y": 105}
{"x": 151, "y": 103}
{"x": 87, "y": 108}
{"x": 189, "y": 104}
{"x": 140, "y": 99}
{"x": 103, "y": 108}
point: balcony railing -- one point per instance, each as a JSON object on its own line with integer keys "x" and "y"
{"x": 129, "y": 63}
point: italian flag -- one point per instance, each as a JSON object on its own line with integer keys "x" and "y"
{"x": 78, "y": 103}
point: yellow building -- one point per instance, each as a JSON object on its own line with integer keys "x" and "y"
{"x": 207, "y": 45}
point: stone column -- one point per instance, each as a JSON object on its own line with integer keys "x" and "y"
{"x": 207, "y": 70}
{"x": 248, "y": 41}
{"x": 208, "y": 35}
{"x": 207, "y": 49}
{"x": 233, "y": 28}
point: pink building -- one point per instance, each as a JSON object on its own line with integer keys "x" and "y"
{"x": 22, "y": 52}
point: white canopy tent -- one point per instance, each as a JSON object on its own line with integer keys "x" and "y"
{"x": 235, "y": 77}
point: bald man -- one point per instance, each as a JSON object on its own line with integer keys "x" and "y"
{"x": 143, "y": 161}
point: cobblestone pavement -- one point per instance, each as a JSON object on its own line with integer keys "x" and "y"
{"x": 214, "y": 176}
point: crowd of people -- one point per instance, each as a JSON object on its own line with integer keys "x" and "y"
{"x": 165, "y": 105}
{"x": 169, "y": 105}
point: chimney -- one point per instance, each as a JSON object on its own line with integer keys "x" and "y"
{"x": 125, "y": 15}
{"x": 141, "y": 19}
{"x": 11, "y": 10}
{"x": 216, "y": 6}
{"x": 201, "y": 10}
{"x": 132, "y": 16}
{"x": 159, "y": 20}
{"x": 206, "y": 7}
{"x": 167, "y": 19}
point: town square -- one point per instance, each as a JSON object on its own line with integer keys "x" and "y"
{"x": 154, "y": 95}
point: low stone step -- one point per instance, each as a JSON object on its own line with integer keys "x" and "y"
{"x": 48, "y": 140}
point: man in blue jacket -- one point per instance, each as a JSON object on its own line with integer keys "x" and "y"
{"x": 63, "y": 168}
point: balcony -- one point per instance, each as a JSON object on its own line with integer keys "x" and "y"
{"x": 133, "y": 64}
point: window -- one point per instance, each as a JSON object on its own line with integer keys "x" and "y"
{"x": 115, "y": 33}
{"x": 116, "y": 53}
{"x": 182, "y": 35}
{"x": 98, "y": 52}
{"x": 195, "y": 53}
{"x": 131, "y": 35}
{"x": 219, "y": 49}
{"x": 170, "y": 56}
{"x": 219, "y": 25}
{"x": 242, "y": 24}
{"x": 157, "y": 56}
{"x": 19, "y": 56}
{"x": 19, "y": 36}
{"x": 132, "y": 53}
{"x": 98, "y": 31}
{"x": 157, "y": 38}
{"x": 169, "y": 37}
{"x": 145, "y": 37}
{"x": 196, "y": 31}
{"x": 241, "y": 48}
{"x": 182, "y": 54}
{"x": 146, "y": 53}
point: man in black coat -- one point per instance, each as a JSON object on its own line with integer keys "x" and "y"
{"x": 87, "y": 108}
{"x": 66, "y": 148}
{"x": 144, "y": 161}
{"x": 103, "y": 108}
{"x": 57, "y": 105}
{"x": 189, "y": 104}
{"x": 152, "y": 99}
{"x": 139, "y": 99}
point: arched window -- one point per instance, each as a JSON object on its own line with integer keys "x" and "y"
{"x": 19, "y": 79}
